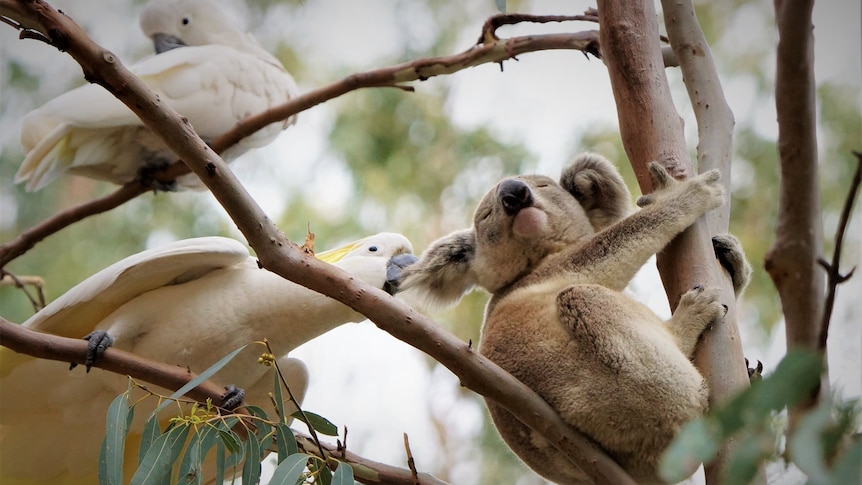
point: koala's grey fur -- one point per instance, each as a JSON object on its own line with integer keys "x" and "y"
{"x": 556, "y": 257}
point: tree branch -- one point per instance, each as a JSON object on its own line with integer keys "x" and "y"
{"x": 651, "y": 129}
{"x": 53, "y": 347}
{"x": 792, "y": 260}
{"x": 714, "y": 117}
{"x": 368, "y": 471}
{"x": 285, "y": 258}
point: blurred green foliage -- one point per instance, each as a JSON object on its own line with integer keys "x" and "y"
{"x": 825, "y": 445}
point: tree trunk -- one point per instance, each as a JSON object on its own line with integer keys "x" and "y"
{"x": 651, "y": 129}
{"x": 792, "y": 259}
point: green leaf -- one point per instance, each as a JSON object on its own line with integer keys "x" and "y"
{"x": 230, "y": 440}
{"x": 251, "y": 467}
{"x": 156, "y": 467}
{"x": 848, "y": 470}
{"x": 794, "y": 378}
{"x": 220, "y": 461}
{"x": 746, "y": 458}
{"x": 111, "y": 456}
{"x": 501, "y": 5}
{"x": 191, "y": 468}
{"x": 318, "y": 422}
{"x": 324, "y": 476}
{"x": 806, "y": 445}
{"x": 200, "y": 378}
{"x": 264, "y": 429}
{"x": 285, "y": 441}
{"x": 343, "y": 475}
{"x": 289, "y": 470}
{"x": 278, "y": 397}
{"x": 151, "y": 432}
{"x": 696, "y": 443}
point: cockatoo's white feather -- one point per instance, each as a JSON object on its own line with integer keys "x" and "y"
{"x": 188, "y": 303}
{"x": 221, "y": 76}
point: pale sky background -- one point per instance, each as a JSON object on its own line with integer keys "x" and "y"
{"x": 363, "y": 378}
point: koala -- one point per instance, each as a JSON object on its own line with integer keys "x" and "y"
{"x": 555, "y": 257}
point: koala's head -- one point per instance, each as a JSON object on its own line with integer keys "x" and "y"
{"x": 517, "y": 225}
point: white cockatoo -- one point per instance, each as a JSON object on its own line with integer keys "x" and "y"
{"x": 206, "y": 69}
{"x": 188, "y": 303}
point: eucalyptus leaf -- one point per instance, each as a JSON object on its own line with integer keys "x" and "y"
{"x": 191, "y": 467}
{"x": 251, "y": 466}
{"x": 113, "y": 447}
{"x": 318, "y": 422}
{"x": 285, "y": 441}
{"x": 343, "y": 475}
{"x": 289, "y": 470}
{"x": 152, "y": 430}
{"x": 697, "y": 441}
{"x": 203, "y": 376}
{"x": 157, "y": 464}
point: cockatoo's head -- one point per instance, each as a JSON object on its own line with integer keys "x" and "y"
{"x": 177, "y": 23}
{"x": 376, "y": 259}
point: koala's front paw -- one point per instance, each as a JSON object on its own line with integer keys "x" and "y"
{"x": 702, "y": 192}
{"x": 698, "y": 309}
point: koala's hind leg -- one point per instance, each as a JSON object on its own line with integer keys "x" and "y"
{"x": 698, "y": 309}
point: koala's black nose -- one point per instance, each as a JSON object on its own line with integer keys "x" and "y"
{"x": 514, "y": 195}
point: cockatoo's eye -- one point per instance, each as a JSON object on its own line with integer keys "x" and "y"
{"x": 372, "y": 249}
{"x": 186, "y": 20}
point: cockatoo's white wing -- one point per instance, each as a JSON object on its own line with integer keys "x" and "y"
{"x": 220, "y": 78}
{"x": 104, "y": 292}
{"x": 193, "y": 315}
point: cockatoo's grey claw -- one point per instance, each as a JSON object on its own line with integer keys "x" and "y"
{"x": 394, "y": 268}
{"x": 232, "y": 397}
{"x": 97, "y": 342}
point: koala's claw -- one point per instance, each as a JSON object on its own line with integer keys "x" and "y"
{"x": 754, "y": 373}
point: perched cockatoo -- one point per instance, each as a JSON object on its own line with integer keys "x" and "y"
{"x": 205, "y": 68}
{"x": 189, "y": 303}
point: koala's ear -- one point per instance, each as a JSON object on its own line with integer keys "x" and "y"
{"x": 444, "y": 271}
{"x": 599, "y": 188}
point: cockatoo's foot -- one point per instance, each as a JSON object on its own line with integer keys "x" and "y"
{"x": 394, "y": 269}
{"x": 232, "y": 397}
{"x": 98, "y": 343}
{"x": 146, "y": 176}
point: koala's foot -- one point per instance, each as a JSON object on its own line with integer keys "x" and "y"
{"x": 729, "y": 252}
{"x": 698, "y": 309}
{"x": 701, "y": 193}
{"x": 754, "y": 373}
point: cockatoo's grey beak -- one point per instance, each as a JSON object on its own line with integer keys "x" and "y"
{"x": 393, "y": 270}
{"x": 164, "y": 42}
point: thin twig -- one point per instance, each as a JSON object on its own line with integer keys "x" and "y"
{"x": 21, "y": 282}
{"x": 295, "y": 401}
{"x": 489, "y": 28}
{"x": 833, "y": 273}
{"x": 410, "y": 463}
